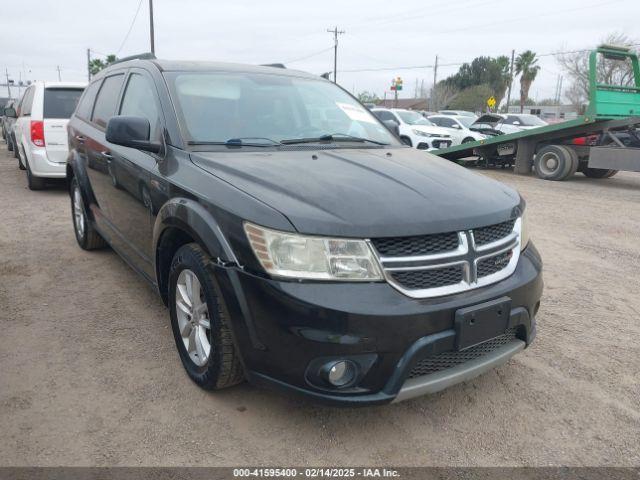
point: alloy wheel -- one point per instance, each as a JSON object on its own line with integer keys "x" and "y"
{"x": 78, "y": 213}
{"x": 193, "y": 317}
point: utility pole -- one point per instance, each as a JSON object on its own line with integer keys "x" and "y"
{"x": 59, "y": 76}
{"x": 433, "y": 89}
{"x": 88, "y": 64}
{"x": 6, "y": 72}
{"x": 335, "y": 32}
{"x": 560, "y": 91}
{"x": 153, "y": 43}
{"x": 513, "y": 53}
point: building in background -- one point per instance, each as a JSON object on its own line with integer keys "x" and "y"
{"x": 548, "y": 113}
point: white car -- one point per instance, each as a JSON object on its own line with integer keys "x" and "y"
{"x": 415, "y": 130}
{"x": 459, "y": 113}
{"x": 518, "y": 122}
{"x": 41, "y": 129}
{"x": 458, "y": 128}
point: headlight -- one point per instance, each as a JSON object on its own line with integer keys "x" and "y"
{"x": 420, "y": 133}
{"x": 524, "y": 231}
{"x": 291, "y": 255}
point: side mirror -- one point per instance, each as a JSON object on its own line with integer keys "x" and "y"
{"x": 10, "y": 112}
{"x": 516, "y": 122}
{"x": 393, "y": 126}
{"x": 455, "y": 125}
{"x": 131, "y": 132}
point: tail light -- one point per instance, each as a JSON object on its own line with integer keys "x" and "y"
{"x": 37, "y": 133}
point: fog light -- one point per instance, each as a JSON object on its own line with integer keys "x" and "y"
{"x": 340, "y": 373}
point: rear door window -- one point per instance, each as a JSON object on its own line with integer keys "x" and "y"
{"x": 107, "y": 100}
{"x": 60, "y": 102}
{"x": 86, "y": 102}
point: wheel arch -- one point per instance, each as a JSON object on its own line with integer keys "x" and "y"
{"x": 181, "y": 221}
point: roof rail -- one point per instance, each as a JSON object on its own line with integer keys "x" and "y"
{"x": 140, "y": 56}
{"x": 274, "y": 65}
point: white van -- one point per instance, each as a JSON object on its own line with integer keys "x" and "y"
{"x": 41, "y": 129}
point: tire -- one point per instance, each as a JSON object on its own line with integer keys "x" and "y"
{"x": 598, "y": 172}
{"x": 34, "y": 183}
{"x": 221, "y": 368}
{"x": 575, "y": 161}
{"x": 9, "y": 143}
{"x": 16, "y": 154}
{"x": 406, "y": 141}
{"x": 553, "y": 162}
{"x": 468, "y": 139}
{"x": 86, "y": 236}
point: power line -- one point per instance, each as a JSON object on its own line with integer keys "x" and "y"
{"x": 130, "y": 28}
{"x": 307, "y": 56}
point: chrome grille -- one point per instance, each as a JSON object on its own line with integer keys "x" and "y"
{"x": 446, "y": 263}
{"x": 492, "y": 233}
{"x": 442, "y": 361}
{"x": 491, "y": 265}
{"x": 429, "y": 278}
{"x": 418, "y": 245}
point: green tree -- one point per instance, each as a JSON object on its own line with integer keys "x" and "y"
{"x": 493, "y": 72}
{"x": 473, "y": 99}
{"x": 97, "y": 64}
{"x": 528, "y": 70}
{"x": 368, "y": 97}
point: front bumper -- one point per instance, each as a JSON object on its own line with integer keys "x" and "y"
{"x": 283, "y": 328}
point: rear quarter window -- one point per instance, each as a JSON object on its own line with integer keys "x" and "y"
{"x": 86, "y": 102}
{"x": 60, "y": 102}
{"x": 106, "y": 102}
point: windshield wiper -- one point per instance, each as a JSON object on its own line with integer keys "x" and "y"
{"x": 239, "y": 142}
{"x": 333, "y": 137}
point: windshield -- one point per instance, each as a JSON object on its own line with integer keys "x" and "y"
{"x": 466, "y": 121}
{"x": 412, "y": 118}
{"x": 531, "y": 121}
{"x": 267, "y": 109}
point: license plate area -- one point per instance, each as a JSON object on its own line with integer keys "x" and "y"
{"x": 482, "y": 322}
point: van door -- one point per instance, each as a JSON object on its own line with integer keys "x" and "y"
{"x": 58, "y": 105}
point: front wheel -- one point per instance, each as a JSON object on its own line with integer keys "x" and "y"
{"x": 200, "y": 321}
{"x": 468, "y": 140}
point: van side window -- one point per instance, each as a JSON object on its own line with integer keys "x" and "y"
{"x": 27, "y": 102}
{"x": 86, "y": 102}
{"x": 107, "y": 100}
{"x": 139, "y": 100}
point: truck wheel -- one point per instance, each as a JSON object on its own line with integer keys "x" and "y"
{"x": 553, "y": 162}
{"x": 598, "y": 172}
{"x": 200, "y": 321}
{"x": 87, "y": 236}
{"x": 575, "y": 161}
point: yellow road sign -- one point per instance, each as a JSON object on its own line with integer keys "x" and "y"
{"x": 491, "y": 102}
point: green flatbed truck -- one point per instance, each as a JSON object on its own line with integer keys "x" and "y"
{"x": 548, "y": 150}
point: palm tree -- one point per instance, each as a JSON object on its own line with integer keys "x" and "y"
{"x": 527, "y": 68}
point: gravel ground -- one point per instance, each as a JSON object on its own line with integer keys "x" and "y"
{"x": 89, "y": 374}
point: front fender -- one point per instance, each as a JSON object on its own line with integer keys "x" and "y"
{"x": 195, "y": 220}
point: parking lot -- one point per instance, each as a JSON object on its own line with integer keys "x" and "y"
{"x": 90, "y": 374}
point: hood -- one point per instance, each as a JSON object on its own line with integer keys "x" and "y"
{"x": 364, "y": 193}
{"x": 489, "y": 118}
{"x": 431, "y": 129}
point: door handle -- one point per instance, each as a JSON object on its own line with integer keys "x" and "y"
{"x": 80, "y": 138}
{"x": 107, "y": 155}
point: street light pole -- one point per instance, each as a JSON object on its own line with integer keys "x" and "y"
{"x": 151, "y": 33}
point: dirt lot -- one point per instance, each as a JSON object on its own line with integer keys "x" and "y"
{"x": 89, "y": 374}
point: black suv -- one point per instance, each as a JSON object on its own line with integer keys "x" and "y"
{"x": 296, "y": 242}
